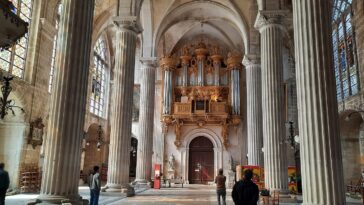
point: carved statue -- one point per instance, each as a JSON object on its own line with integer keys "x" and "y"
{"x": 225, "y": 133}
{"x": 185, "y": 51}
{"x": 35, "y": 136}
{"x": 177, "y": 131}
{"x": 171, "y": 161}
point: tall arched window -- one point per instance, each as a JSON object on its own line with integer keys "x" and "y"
{"x": 98, "y": 92}
{"x": 13, "y": 59}
{"x": 346, "y": 69}
{"x": 54, "y": 50}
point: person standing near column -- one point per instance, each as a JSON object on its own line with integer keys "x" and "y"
{"x": 4, "y": 183}
{"x": 95, "y": 186}
{"x": 220, "y": 187}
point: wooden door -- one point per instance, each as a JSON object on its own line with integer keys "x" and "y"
{"x": 201, "y": 161}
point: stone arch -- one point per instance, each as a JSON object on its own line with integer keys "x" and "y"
{"x": 209, "y": 134}
{"x": 13, "y": 135}
{"x": 351, "y": 135}
{"x": 228, "y": 14}
{"x": 91, "y": 156}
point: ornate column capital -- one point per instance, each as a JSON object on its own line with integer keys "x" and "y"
{"x": 149, "y": 62}
{"x": 234, "y": 60}
{"x": 271, "y": 18}
{"x": 168, "y": 63}
{"x": 251, "y": 60}
{"x": 128, "y": 23}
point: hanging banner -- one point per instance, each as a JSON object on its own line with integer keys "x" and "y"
{"x": 292, "y": 179}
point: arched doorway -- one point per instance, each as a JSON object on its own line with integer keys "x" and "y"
{"x": 201, "y": 161}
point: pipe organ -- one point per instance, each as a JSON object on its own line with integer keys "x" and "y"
{"x": 201, "y": 88}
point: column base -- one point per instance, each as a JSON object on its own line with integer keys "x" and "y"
{"x": 126, "y": 189}
{"x": 52, "y": 199}
{"x": 141, "y": 183}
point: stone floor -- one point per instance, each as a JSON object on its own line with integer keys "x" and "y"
{"x": 190, "y": 195}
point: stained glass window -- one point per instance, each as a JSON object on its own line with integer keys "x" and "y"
{"x": 13, "y": 59}
{"x": 54, "y": 50}
{"x": 97, "y": 104}
{"x": 346, "y": 71}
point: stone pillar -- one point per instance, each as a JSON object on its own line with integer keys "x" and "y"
{"x": 121, "y": 119}
{"x": 270, "y": 27}
{"x": 146, "y": 123}
{"x": 254, "y": 110}
{"x": 65, "y": 128}
{"x": 322, "y": 169}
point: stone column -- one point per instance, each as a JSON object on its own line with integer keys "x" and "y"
{"x": 146, "y": 123}
{"x": 65, "y": 128}
{"x": 322, "y": 168}
{"x": 270, "y": 27}
{"x": 121, "y": 119}
{"x": 254, "y": 110}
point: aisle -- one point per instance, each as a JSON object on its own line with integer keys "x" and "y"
{"x": 191, "y": 195}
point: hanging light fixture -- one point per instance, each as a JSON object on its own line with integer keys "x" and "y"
{"x": 99, "y": 138}
{"x": 7, "y": 105}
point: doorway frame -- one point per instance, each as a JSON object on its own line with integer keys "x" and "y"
{"x": 185, "y": 150}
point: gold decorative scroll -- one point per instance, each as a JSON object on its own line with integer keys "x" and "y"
{"x": 234, "y": 60}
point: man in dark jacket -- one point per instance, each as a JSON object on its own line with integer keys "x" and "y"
{"x": 245, "y": 192}
{"x": 4, "y": 183}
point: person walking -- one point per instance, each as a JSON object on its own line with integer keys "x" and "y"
{"x": 245, "y": 192}
{"x": 4, "y": 183}
{"x": 220, "y": 187}
{"x": 95, "y": 186}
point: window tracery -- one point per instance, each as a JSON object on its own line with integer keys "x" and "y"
{"x": 346, "y": 70}
{"x": 54, "y": 50}
{"x": 98, "y": 97}
{"x": 13, "y": 59}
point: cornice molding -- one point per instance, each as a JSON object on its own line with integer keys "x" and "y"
{"x": 128, "y": 23}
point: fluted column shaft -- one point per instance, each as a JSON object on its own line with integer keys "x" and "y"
{"x": 321, "y": 159}
{"x": 66, "y": 121}
{"x": 254, "y": 109}
{"x": 217, "y": 66}
{"x": 235, "y": 91}
{"x": 167, "y": 92}
{"x": 146, "y": 122}
{"x": 121, "y": 119}
{"x": 275, "y": 159}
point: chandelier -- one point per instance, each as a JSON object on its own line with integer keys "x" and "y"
{"x": 99, "y": 140}
{"x": 7, "y": 105}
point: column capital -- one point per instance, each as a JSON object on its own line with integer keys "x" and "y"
{"x": 128, "y": 23}
{"x": 271, "y": 18}
{"x": 251, "y": 60}
{"x": 149, "y": 62}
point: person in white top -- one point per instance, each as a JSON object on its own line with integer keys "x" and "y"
{"x": 95, "y": 186}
